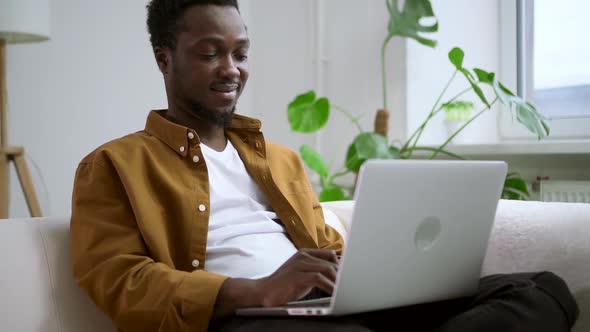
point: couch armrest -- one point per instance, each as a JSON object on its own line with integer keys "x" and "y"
{"x": 532, "y": 236}
{"x": 544, "y": 236}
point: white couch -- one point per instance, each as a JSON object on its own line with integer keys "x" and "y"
{"x": 38, "y": 293}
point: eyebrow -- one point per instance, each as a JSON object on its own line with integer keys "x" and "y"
{"x": 219, "y": 40}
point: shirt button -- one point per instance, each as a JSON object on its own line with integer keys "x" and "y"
{"x": 202, "y": 207}
{"x": 191, "y": 135}
{"x": 181, "y": 149}
{"x": 196, "y": 159}
{"x": 258, "y": 145}
{"x": 293, "y": 222}
{"x": 195, "y": 263}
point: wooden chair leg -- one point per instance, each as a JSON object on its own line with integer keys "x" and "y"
{"x": 4, "y": 186}
{"x": 27, "y": 185}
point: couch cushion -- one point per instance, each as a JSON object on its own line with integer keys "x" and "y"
{"x": 38, "y": 293}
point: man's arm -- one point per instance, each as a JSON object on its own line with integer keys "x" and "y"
{"x": 328, "y": 237}
{"x": 112, "y": 264}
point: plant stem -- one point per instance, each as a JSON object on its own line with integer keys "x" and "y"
{"x": 323, "y": 183}
{"x": 440, "y": 148}
{"x": 341, "y": 172}
{"x": 329, "y": 182}
{"x": 349, "y": 116}
{"x": 430, "y": 115}
{"x": 460, "y": 94}
{"x": 384, "y": 70}
{"x": 440, "y": 108}
{"x": 405, "y": 146}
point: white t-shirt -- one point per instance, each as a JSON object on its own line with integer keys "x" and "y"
{"x": 243, "y": 241}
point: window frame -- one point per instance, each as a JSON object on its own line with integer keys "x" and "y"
{"x": 516, "y": 30}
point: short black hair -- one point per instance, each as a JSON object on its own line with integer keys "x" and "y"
{"x": 163, "y": 15}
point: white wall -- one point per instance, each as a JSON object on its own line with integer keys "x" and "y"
{"x": 337, "y": 55}
{"x": 473, "y": 26}
{"x": 96, "y": 79}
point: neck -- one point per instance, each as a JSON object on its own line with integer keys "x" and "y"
{"x": 209, "y": 134}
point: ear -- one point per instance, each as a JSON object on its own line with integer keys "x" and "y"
{"x": 163, "y": 58}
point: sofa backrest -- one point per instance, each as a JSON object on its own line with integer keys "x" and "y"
{"x": 38, "y": 293}
{"x": 37, "y": 289}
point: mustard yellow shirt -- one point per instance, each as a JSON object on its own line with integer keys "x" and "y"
{"x": 140, "y": 213}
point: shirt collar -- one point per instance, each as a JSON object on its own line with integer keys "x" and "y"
{"x": 177, "y": 137}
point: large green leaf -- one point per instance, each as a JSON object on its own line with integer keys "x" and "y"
{"x": 314, "y": 160}
{"x": 515, "y": 187}
{"x": 475, "y": 87}
{"x": 456, "y": 56}
{"x": 335, "y": 193}
{"x": 406, "y": 23}
{"x": 353, "y": 160}
{"x": 504, "y": 94}
{"x": 484, "y": 76}
{"x": 480, "y": 93}
{"x": 368, "y": 146}
{"x": 527, "y": 115}
{"x": 307, "y": 114}
{"x": 394, "y": 152}
{"x": 525, "y": 112}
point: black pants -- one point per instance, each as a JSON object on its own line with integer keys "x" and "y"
{"x": 539, "y": 302}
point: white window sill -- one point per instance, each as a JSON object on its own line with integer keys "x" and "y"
{"x": 544, "y": 147}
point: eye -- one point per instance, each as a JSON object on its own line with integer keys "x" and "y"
{"x": 208, "y": 56}
{"x": 241, "y": 55}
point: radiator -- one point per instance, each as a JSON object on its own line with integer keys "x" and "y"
{"x": 565, "y": 191}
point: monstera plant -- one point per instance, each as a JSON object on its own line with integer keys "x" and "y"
{"x": 308, "y": 113}
{"x": 406, "y": 24}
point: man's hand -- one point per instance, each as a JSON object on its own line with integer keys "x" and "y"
{"x": 307, "y": 269}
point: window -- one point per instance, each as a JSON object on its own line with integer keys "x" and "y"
{"x": 552, "y": 66}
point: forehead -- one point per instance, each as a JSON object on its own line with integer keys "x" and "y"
{"x": 202, "y": 21}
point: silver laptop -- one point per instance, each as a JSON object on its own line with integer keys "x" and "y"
{"x": 419, "y": 233}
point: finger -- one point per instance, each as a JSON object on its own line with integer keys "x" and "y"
{"x": 325, "y": 254}
{"x": 328, "y": 269}
{"x": 320, "y": 281}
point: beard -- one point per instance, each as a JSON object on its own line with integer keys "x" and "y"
{"x": 221, "y": 119}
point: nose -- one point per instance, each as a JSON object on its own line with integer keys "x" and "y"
{"x": 228, "y": 68}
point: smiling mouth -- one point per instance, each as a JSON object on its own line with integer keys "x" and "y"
{"x": 225, "y": 88}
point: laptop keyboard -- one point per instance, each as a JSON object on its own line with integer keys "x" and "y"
{"x": 321, "y": 303}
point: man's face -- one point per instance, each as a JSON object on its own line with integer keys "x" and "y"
{"x": 209, "y": 67}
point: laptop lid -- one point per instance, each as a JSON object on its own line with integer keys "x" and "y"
{"x": 419, "y": 232}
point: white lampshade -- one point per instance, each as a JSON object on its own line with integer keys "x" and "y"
{"x": 24, "y": 21}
